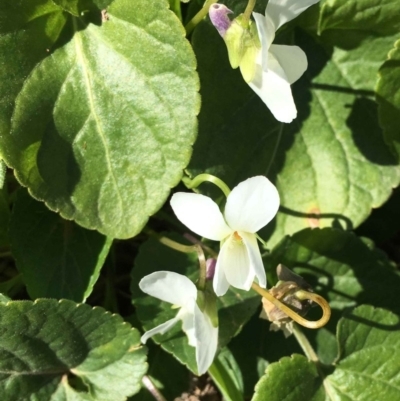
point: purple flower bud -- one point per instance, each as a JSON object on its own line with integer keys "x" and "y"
{"x": 219, "y": 18}
{"x": 210, "y": 268}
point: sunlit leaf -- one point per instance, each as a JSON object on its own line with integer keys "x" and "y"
{"x": 104, "y": 126}
{"x": 378, "y": 16}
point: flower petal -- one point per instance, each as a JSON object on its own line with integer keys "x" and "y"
{"x": 252, "y": 204}
{"x": 282, "y": 11}
{"x": 188, "y": 324}
{"x": 220, "y": 283}
{"x": 292, "y": 60}
{"x": 253, "y": 250}
{"x": 170, "y": 287}
{"x": 235, "y": 262}
{"x": 161, "y": 329}
{"x": 207, "y": 340}
{"x": 266, "y": 34}
{"x": 274, "y": 90}
{"x": 201, "y": 214}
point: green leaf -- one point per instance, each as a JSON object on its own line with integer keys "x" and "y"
{"x": 378, "y": 16}
{"x": 58, "y": 259}
{"x": 367, "y": 367}
{"x": 369, "y": 355}
{"x": 234, "y": 309}
{"x": 116, "y": 122}
{"x": 28, "y": 31}
{"x": 332, "y": 164}
{"x": 388, "y": 97}
{"x": 291, "y": 379}
{"x": 63, "y": 351}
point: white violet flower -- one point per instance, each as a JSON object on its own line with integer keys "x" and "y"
{"x": 250, "y": 206}
{"x": 181, "y": 292}
{"x": 268, "y": 69}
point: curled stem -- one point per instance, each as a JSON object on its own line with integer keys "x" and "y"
{"x": 301, "y": 294}
{"x": 199, "y": 16}
{"x": 189, "y": 249}
{"x": 249, "y": 9}
{"x": 199, "y": 179}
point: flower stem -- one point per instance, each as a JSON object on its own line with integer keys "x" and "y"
{"x": 199, "y": 179}
{"x": 304, "y": 343}
{"x": 248, "y": 11}
{"x": 186, "y": 249}
{"x": 199, "y": 16}
{"x": 153, "y": 390}
{"x": 326, "y": 310}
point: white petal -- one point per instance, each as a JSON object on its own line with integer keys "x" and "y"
{"x": 161, "y": 329}
{"x": 220, "y": 283}
{"x": 201, "y": 214}
{"x": 235, "y": 262}
{"x": 252, "y": 204}
{"x": 253, "y": 250}
{"x": 274, "y": 90}
{"x": 207, "y": 340}
{"x": 282, "y": 11}
{"x": 188, "y": 324}
{"x": 292, "y": 60}
{"x": 170, "y": 287}
{"x": 266, "y": 33}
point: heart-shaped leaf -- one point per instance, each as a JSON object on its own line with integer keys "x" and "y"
{"x": 63, "y": 351}
{"x": 104, "y": 126}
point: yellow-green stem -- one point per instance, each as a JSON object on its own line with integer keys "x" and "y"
{"x": 187, "y": 249}
{"x": 249, "y": 9}
{"x": 199, "y": 179}
{"x": 304, "y": 343}
{"x": 199, "y": 16}
{"x": 326, "y": 310}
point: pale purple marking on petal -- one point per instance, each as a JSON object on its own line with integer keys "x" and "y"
{"x": 219, "y": 18}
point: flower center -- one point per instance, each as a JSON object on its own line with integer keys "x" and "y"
{"x": 237, "y": 237}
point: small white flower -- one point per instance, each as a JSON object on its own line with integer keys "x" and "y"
{"x": 278, "y": 66}
{"x": 181, "y": 292}
{"x": 250, "y": 206}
